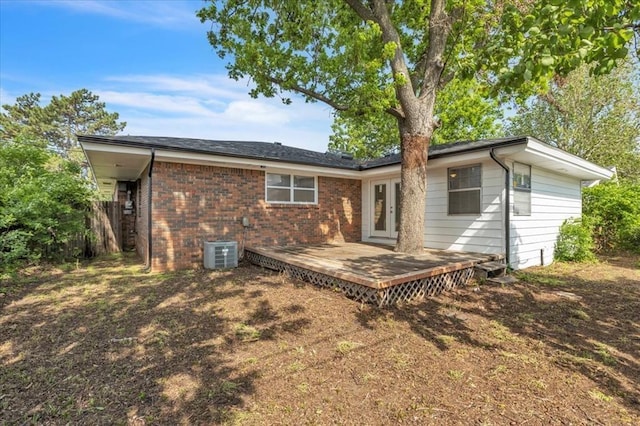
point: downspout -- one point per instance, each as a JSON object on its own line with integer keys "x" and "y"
{"x": 507, "y": 214}
{"x": 149, "y": 206}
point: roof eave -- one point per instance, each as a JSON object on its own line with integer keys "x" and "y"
{"x": 129, "y": 143}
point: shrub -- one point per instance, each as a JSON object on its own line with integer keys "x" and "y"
{"x": 575, "y": 242}
{"x": 614, "y": 211}
{"x": 43, "y": 203}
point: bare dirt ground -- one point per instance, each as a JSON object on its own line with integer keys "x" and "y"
{"x": 105, "y": 343}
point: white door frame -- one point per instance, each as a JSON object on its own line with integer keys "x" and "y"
{"x": 387, "y": 191}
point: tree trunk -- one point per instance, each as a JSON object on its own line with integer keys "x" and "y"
{"x": 413, "y": 190}
{"x": 416, "y": 127}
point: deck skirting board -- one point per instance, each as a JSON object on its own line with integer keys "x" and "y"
{"x": 401, "y": 292}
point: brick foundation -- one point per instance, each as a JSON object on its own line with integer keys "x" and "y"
{"x": 193, "y": 204}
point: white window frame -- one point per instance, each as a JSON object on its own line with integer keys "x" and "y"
{"x": 292, "y": 188}
{"x": 517, "y": 188}
{"x": 474, "y": 188}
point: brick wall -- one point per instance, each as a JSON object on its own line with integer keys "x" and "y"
{"x": 193, "y": 204}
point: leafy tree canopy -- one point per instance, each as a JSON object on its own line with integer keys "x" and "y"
{"x": 542, "y": 38}
{"x": 463, "y": 108}
{"x": 594, "y": 117}
{"x": 338, "y": 52}
{"x": 58, "y": 122}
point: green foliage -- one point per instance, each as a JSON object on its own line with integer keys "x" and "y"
{"x": 43, "y": 203}
{"x": 58, "y": 122}
{"x": 594, "y": 117}
{"x": 337, "y": 51}
{"x": 463, "y": 109}
{"x": 575, "y": 242}
{"x": 536, "y": 40}
{"x": 614, "y": 210}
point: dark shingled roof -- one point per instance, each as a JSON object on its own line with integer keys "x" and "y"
{"x": 240, "y": 149}
{"x": 447, "y": 149}
{"x": 275, "y": 151}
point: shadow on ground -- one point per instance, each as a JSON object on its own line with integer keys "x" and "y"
{"x": 586, "y": 320}
{"x": 107, "y": 343}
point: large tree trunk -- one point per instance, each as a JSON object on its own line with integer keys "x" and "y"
{"x": 413, "y": 190}
{"x": 417, "y": 125}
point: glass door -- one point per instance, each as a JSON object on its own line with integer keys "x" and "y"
{"x": 385, "y": 212}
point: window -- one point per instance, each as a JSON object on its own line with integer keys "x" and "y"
{"x": 465, "y": 189}
{"x": 282, "y": 188}
{"x": 521, "y": 189}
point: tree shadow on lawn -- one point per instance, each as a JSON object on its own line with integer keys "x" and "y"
{"x": 586, "y": 326}
{"x": 114, "y": 345}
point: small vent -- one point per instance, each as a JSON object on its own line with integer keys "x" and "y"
{"x": 220, "y": 254}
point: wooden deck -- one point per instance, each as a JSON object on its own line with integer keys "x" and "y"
{"x": 372, "y": 273}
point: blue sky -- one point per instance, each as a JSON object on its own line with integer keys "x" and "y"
{"x": 150, "y": 62}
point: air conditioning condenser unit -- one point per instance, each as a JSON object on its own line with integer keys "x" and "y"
{"x": 220, "y": 254}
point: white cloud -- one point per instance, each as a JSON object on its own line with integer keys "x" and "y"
{"x": 256, "y": 112}
{"x": 216, "y": 85}
{"x": 212, "y": 107}
{"x": 155, "y": 102}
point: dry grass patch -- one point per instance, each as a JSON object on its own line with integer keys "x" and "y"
{"x": 106, "y": 343}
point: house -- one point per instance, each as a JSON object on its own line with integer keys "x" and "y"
{"x": 505, "y": 196}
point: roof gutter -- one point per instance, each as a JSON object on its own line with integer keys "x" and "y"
{"x": 507, "y": 210}
{"x": 149, "y": 207}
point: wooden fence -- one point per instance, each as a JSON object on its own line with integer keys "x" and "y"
{"x": 105, "y": 226}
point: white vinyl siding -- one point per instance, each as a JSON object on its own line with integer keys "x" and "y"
{"x": 554, "y": 198}
{"x": 481, "y": 232}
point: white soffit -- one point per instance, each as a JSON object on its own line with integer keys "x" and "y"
{"x": 111, "y": 164}
{"x": 544, "y": 156}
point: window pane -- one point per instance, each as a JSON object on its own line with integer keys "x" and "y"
{"x": 380, "y": 207}
{"x": 278, "y": 180}
{"x": 521, "y": 176}
{"x": 303, "y": 196}
{"x": 522, "y": 203}
{"x": 304, "y": 182}
{"x": 464, "y": 202}
{"x": 465, "y": 177}
{"x": 276, "y": 194}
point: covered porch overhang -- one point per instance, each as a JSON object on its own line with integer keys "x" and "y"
{"x": 111, "y": 164}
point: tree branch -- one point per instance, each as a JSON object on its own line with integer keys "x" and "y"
{"x": 439, "y": 28}
{"x": 419, "y": 70}
{"x": 310, "y": 93}
{"x": 551, "y": 100}
{"x": 457, "y": 13}
{"x": 404, "y": 93}
{"x": 395, "y": 112}
{"x": 626, "y": 27}
{"x": 361, "y": 10}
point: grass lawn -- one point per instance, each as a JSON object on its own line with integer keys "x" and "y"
{"x": 105, "y": 343}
